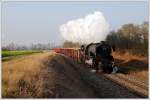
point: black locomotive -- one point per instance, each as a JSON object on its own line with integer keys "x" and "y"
{"x": 101, "y": 55}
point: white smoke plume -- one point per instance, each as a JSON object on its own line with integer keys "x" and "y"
{"x": 92, "y": 28}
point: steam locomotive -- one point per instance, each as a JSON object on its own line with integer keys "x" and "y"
{"x": 99, "y": 55}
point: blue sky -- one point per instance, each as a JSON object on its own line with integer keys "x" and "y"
{"x": 39, "y": 22}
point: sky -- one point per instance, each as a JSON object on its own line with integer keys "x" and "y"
{"x": 38, "y": 22}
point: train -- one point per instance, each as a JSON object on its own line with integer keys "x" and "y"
{"x": 89, "y": 55}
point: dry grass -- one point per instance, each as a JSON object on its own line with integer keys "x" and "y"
{"x": 44, "y": 75}
{"x": 20, "y": 76}
{"x": 137, "y": 65}
{"x": 127, "y": 56}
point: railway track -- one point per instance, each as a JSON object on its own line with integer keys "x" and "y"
{"x": 130, "y": 83}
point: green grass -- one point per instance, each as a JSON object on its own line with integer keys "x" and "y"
{"x": 16, "y": 53}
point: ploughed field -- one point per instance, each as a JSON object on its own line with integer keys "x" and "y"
{"x": 52, "y": 75}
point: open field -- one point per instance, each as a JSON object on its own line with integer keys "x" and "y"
{"x": 19, "y": 52}
{"x": 7, "y": 55}
{"x": 51, "y": 75}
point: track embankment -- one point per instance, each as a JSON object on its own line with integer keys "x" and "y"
{"x": 52, "y": 75}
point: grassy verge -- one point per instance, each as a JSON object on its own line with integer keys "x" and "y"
{"x": 22, "y": 78}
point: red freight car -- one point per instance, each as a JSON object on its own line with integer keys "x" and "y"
{"x": 74, "y": 53}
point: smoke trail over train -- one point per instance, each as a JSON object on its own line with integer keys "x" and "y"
{"x": 91, "y": 28}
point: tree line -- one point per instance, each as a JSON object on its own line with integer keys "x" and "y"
{"x": 38, "y": 46}
{"x": 130, "y": 37}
